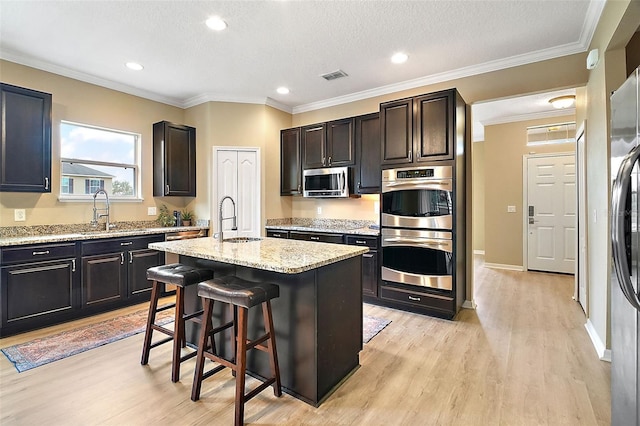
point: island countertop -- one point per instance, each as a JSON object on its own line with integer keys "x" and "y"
{"x": 269, "y": 254}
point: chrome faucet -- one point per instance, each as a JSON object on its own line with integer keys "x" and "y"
{"x": 96, "y": 215}
{"x": 234, "y": 227}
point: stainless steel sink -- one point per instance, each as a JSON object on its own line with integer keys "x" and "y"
{"x": 241, "y": 239}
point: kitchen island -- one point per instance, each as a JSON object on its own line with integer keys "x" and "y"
{"x": 317, "y": 318}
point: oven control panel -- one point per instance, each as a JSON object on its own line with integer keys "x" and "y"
{"x": 415, "y": 173}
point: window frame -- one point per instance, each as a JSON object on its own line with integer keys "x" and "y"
{"x": 136, "y": 166}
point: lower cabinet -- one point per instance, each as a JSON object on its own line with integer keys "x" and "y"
{"x": 316, "y": 236}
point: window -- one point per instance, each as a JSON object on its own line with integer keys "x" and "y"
{"x": 95, "y": 158}
{"x": 67, "y": 185}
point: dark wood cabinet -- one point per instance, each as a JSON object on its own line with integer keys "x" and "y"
{"x": 329, "y": 144}
{"x": 103, "y": 278}
{"x": 370, "y": 269}
{"x": 277, "y": 233}
{"x": 419, "y": 129}
{"x": 25, "y": 154}
{"x": 316, "y": 236}
{"x": 139, "y": 261}
{"x": 174, "y": 160}
{"x": 290, "y": 162}
{"x": 367, "y": 138}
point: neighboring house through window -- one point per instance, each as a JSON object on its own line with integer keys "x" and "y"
{"x": 67, "y": 185}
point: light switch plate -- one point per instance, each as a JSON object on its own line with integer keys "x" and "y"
{"x": 19, "y": 215}
{"x": 511, "y": 209}
{"x": 319, "y": 209}
{"x": 152, "y": 211}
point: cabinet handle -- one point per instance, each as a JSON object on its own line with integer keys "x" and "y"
{"x": 323, "y": 161}
{"x": 276, "y": 235}
{"x": 121, "y": 258}
{"x": 299, "y": 189}
{"x": 315, "y": 238}
{"x": 360, "y": 242}
{"x": 367, "y": 255}
{"x": 128, "y": 243}
{"x": 410, "y": 156}
{"x": 130, "y": 257}
{"x": 329, "y": 160}
{"x": 46, "y": 183}
{"x": 166, "y": 192}
{"x": 73, "y": 265}
{"x": 37, "y": 253}
{"x": 415, "y": 299}
{"x": 418, "y": 154}
{"x": 359, "y": 187}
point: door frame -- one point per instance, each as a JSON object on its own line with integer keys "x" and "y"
{"x": 582, "y": 216}
{"x": 525, "y": 202}
{"x": 213, "y": 207}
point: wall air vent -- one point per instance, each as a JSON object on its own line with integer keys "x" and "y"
{"x": 334, "y": 75}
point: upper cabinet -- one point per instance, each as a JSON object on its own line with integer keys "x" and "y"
{"x": 290, "y": 162}
{"x": 328, "y": 144}
{"x": 25, "y": 154}
{"x": 174, "y": 160}
{"x": 368, "y": 171}
{"x": 419, "y": 129}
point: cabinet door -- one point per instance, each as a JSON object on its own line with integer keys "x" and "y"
{"x": 36, "y": 290}
{"x": 290, "y": 162}
{"x": 396, "y": 126}
{"x": 340, "y": 143}
{"x": 368, "y": 174}
{"x": 277, "y": 233}
{"x": 25, "y": 154}
{"x": 139, "y": 262}
{"x": 370, "y": 274}
{"x": 433, "y": 132}
{"x": 174, "y": 160}
{"x": 103, "y": 278}
{"x": 316, "y": 236}
{"x": 314, "y": 146}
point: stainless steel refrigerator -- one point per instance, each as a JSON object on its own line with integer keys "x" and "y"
{"x": 625, "y": 282}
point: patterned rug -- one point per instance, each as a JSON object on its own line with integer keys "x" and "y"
{"x": 44, "y": 350}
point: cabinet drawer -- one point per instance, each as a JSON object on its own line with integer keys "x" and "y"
{"x": 316, "y": 236}
{"x": 426, "y": 300}
{"x": 358, "y": 240}
{"x": 277, "y": 233}
{"x": 112, "y": 245}
{"x": 36, "y": 253}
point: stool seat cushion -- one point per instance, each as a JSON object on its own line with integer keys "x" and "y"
{"x": 179, "y": 274}
{"x": 234, "y": 290}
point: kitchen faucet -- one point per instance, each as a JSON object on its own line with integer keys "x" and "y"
{"x": 96, "y": 216}
{"x": 234, "y": 227}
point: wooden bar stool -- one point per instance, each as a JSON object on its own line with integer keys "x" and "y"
{"x": 242, "y": 295}
{"x": 181, "y": 276}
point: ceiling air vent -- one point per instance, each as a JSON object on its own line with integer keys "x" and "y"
{"x": 334, "y": 75}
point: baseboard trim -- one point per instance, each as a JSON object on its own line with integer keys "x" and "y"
{"x": 603, "y": 353}
{"x": 478, "y": 252}
{"x": 469, "y": 304}
{"x": 503, "y": 266}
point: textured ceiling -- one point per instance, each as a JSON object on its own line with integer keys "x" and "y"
{"x": 286, "y": 43}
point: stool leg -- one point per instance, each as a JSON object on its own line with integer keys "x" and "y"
{"x": 151, "y": 319}
{"x": 234, "y": 338}
{"x": 241, "y": 364}
{"x": 273, "y": 353}
{"x": 205, "y": 329}
{"x": 178, "y": 334}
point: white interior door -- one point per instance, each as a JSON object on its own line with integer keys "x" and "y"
{"x": 237, "y": 175}
{"x": 551, "y": 201}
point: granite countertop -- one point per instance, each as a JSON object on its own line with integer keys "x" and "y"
{"x": 91, "y": 235}
{"x": 331, "y": 226}
{"x": 269, "y": 254}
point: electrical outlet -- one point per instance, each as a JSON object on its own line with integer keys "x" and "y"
{"x": 152, "y": 211}
{"x": 19, "y": 215}
{"x": 319, "y": 209}
{"x": 511, "y": 209}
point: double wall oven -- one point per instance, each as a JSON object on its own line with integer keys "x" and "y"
{"x": 417, "y": 229}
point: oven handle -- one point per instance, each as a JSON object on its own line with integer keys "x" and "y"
{"x": 420, "y": 242}
{"x": 440, "y": 184}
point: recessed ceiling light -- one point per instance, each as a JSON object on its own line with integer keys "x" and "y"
{"x": 282, "y": 90}
{"x": 216, "y": 23}
{"x": 134, "y": 66}
{"x": 399, "y": 58}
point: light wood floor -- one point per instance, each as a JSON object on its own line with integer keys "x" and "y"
{"x": 522, "y": 358}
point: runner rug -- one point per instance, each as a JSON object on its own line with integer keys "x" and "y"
{"x": 35, "y": 353}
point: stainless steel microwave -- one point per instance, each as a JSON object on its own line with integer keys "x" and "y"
{"x": 330, "y": 182}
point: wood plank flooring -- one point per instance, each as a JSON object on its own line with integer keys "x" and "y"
{"x": 522, "y": 358}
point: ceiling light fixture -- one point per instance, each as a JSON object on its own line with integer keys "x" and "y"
{"x": 399, "y": 58}
{"x": 134, "y": 66}
{"x": 282, "y": 90}
{"x": 216, "y": 23}
{"x": 563, "y": 101}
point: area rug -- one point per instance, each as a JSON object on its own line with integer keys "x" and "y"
{"x": 35, "y": 353}
{"x": 371, "y": 326}
{"x": 44, "y": 350}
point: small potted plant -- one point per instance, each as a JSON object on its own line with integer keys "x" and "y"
{"x": 165, "y": 218}
{"x": 187, "y": 217}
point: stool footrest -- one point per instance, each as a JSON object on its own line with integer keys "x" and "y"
{"x": 162, "y": 329}
{"x": 213, "y": 371}
{"x": 160, "y": 342}
{"x": 165, "y": 307}
{"x": 256, "y": 344}
{"x": 193, "y": 315}
{"x": 262, "y": 386}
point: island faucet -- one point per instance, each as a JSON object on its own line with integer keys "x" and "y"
{"x": 96, "y": 215}
{"x": 234, "y": 227}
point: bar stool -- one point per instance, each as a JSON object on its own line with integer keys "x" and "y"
{"x": 181, "y": 276}
{"x": 241, "y": 295}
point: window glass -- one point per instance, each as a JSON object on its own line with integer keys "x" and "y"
{"x": 94, "y": 158}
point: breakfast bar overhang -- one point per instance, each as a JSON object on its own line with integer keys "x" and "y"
{"x": 317, "y": 318}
